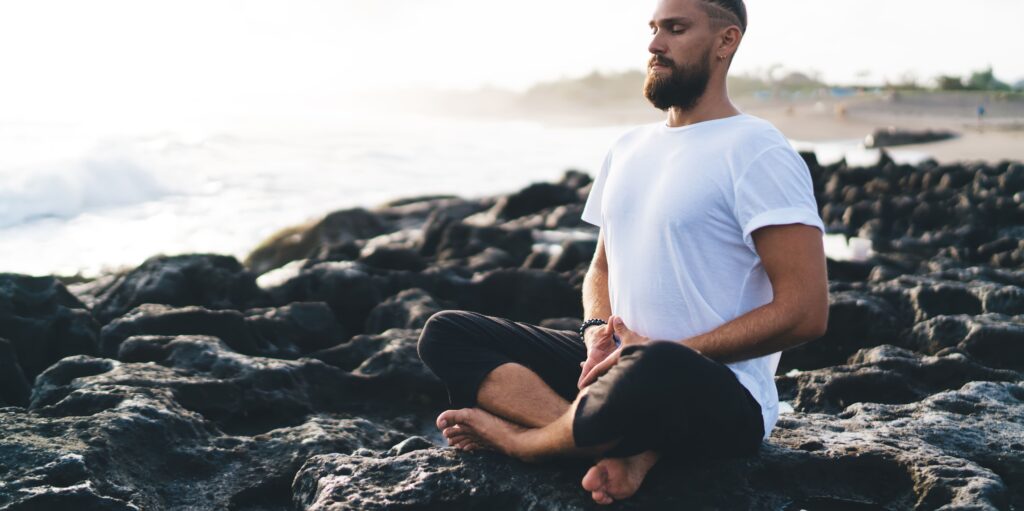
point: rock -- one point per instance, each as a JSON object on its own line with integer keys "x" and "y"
{"x": 525, "y": 295}
{"x": 14, "y": 387}
{"x": 533, "y": 199}
{"x": 303, "y": 241}
{"x": 42, "y": 323}
{"x": 393, "y": 258}
{"x": 408, "y": 309}
{"x": 884, "y": 374}
{"x": 351, "y": 290}
{"x": 573, "y": 253}
{"x": 283, "y": 332}
{"x": 299, "y": 327}
{"x": 461, "y": 240}
{"x": 856, "y": 320}
{"x": 904, "y": 456}
{"x": 206, "y": 280}
{"x": 411, "y": 444}
{"x": 441, "y": 218}
{"x": 994, "y": 339}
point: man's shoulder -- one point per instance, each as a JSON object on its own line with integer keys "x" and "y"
{"x": 757, "y": 133}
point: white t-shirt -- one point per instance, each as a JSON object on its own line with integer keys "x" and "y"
{"x": 676, "y": 207}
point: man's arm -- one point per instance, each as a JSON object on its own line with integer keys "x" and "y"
{"x": 596, "y": 303}
{"x": 794, "y": 259}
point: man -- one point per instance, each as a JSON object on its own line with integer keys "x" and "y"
{"x": 709, "y": 263}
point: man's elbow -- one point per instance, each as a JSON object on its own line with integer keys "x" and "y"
{"x": 813, "y": 324}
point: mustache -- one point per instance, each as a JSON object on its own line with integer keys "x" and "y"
{"x": 660, "y": 60}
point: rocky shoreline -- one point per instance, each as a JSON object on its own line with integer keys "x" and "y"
{"x": 292, "y": 381}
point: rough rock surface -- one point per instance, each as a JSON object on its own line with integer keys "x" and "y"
{"x": 192, "y": 382}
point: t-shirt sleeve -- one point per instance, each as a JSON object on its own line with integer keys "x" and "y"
{"x": 775, "y": 189}
{"x": 592, "y": 208}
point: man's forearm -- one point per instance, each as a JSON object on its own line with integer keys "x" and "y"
{"x": 764, "y": 330}
{"x": 596, "y": 303}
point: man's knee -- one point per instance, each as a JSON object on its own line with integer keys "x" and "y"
{"x": 655, "y": 364}
{"x": 438, "y": 333}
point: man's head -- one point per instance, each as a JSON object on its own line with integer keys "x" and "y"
{"x": 693, "y": 41}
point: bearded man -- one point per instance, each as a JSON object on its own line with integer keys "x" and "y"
{"x": 709, "y": 263}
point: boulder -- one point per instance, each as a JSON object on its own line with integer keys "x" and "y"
{"x": 206, "y": 280}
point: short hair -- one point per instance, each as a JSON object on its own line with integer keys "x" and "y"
{"x": 727, "y": 12}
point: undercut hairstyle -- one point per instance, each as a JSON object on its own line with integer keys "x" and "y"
{"x": 727, "y": 12}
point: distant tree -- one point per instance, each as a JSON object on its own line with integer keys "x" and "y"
{"x": 1019, "y": 86}
{"x": 949, "y": 82}
{"x": 985, "y": 80}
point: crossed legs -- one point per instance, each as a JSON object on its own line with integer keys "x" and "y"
{"x": 518, "y": 414}
{"x": 513, "y": 389}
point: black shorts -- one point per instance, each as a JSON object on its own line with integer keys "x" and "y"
{"x": 660, "y": 395}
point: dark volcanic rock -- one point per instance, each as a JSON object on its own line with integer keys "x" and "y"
{"x": 995, "y": 339}
{"x": 877, "y": 456}
{"x": 304, "y": 241}
{"x": 14, "y": 388}
{"x": 207, "y": 280}
{"x": 884, "y": 374}
{"x": 42, "y": 322}
{"x": 408, "y": 309}
{"x": 283, "y": 332}
{"x": 856, "y": 320}
{"x": 526, "y": 295}
{"x": 533, "y": 199}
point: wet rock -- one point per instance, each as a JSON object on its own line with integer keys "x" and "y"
{"x": 14, "y": 387}
{"x": 462, "y": 240}
{"x": 42, "y": 323}
{"x": 525, "y": 295}
{"x": 393, "y": 258}
{"x": 206, "y": 280}
{"x": 884, "y": 374}
{"x": 994, "y": 339}
{"x": 408, "y": 309}
{"x": 872, "y": 456}
{"x": 303, "y": 241}
{"x": 282, "y": 332}
{"x": 533, "y": 199}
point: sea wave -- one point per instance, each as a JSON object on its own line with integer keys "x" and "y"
{"x": 69, "y": 188}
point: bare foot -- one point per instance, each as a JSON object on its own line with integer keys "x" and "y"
{"x": 614, "y": 479}
{"x": 472, "y": 429}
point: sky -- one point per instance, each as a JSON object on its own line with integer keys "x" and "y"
{"x": 117, "y": 60}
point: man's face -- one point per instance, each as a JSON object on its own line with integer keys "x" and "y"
{"x": 680, "y": 64}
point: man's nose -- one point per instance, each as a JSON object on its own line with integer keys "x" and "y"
{"x": 657, "y": 47}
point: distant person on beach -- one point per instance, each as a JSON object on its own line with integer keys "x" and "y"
{"x": 981, "y": 115}
{"x": 709, "y": 263}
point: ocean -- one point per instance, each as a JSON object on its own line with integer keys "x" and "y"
{"x": 83, "y": 201}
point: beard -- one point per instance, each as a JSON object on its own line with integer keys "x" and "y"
{"x": 682, "y": 87}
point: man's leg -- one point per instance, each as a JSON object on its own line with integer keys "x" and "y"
{"x": 524, "y": 373}
{"x": 660, "y": 395}
{"x": 518, "y": 394}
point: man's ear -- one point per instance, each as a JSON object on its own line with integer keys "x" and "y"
{"x": 728, "y": 40}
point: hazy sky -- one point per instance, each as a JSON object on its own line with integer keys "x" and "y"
{"x": 116, "y": 59}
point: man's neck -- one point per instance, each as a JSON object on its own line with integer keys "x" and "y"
{"x": 714, "y": 104}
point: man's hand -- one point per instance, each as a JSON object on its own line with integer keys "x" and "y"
{"x": 627, "y": 336}
{"x": 600, "y": 344}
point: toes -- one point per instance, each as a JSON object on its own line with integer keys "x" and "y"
{"x": 601, "y": 497}
{"x": 595, "y": 479}
{"x": 452, "y": 417}
{"x": 455, "y": 431}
